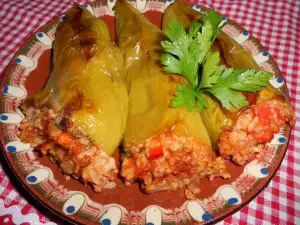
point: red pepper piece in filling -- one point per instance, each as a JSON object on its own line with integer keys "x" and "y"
{"x": 155, "y": 153}
{"x": 264, "y": 113}
{"x": 278, "y": 114}
{"x": 45, "y": 147}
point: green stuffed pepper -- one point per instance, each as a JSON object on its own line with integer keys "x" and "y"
{"x": 167, "y": 148}
{"x": 238, "y": 134}
{"x": 80, "y": 115}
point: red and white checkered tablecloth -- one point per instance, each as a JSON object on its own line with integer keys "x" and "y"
{"x": 276, "y": 23}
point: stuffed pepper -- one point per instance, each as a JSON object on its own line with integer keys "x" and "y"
{"x": 166, "y": 148}
{"x": 237, "y": 132}
{"x": 80, "y": 115}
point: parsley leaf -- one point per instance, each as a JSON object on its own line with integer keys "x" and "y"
{"x": 187, "y": 96}
{"x": 229, "y": 98}
{"x": 240, "y": 80}
{"x": 215, "y": 20}
{"x": 194, "y": 29}
{"x": 185, "y": 53}
{"x": 179, "y": 57}
{"x": 203, "y": 41}
{"x": 251, "y": 81}
{"x": 211, "y": 71}
{"x": 175, "y": 30}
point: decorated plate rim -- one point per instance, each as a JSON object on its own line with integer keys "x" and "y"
{"x": 33, "y": 190}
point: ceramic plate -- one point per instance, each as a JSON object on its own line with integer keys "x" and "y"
{"x": 26, "y": 75}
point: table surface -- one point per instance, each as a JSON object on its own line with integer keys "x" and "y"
{"x": 277, "y": 26}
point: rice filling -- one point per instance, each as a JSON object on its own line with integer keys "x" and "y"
{"x": 169, "y": 162}
{"x": 52, "y": 133}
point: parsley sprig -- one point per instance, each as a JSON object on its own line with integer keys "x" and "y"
{"x": 189, "y": 54}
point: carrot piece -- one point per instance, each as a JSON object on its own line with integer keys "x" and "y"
{"x": 64, "y": 139}
{"x": 156, "y": 152}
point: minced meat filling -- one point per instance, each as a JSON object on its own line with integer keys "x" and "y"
{"x": 168, "y": 162}
{"x": 254, "y": 127}
{"x": 75, "y": 153}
